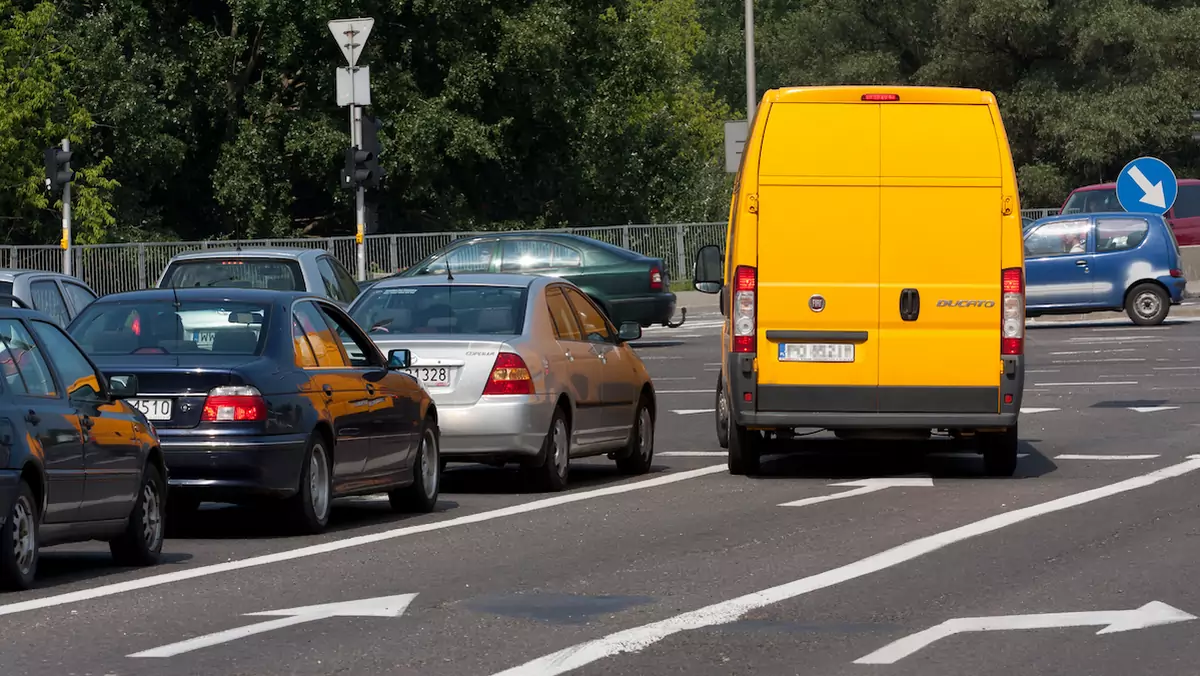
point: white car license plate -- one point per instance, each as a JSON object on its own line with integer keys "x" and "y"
{"x": 431, "y": 376}
{"x": 817, "y": 352}
{"x": 153, "y": 409}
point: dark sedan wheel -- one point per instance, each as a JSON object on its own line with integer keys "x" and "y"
{"x": 141, "y": 543}
{"x": 19, "y": 542}
{"x": 640, "y": 453}
{"x": 308, "y": 510}
{"x": 422, "y": 494}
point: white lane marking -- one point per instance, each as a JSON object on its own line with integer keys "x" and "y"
{"x": 708, "y": 391}
{"x": 724, "y": 612}
{"x": 715, "y": 363}
{"x": 863, "y": 487}
{"x": 1061, "y": 354}
{"x": 1175, "y": 368}
{"x": 1070, "y": 456}
{"x": 1153, "y": 614}
{"x": 357, "y": 541}
{"x": 659, "y": 357}
{"x": 963, "y": 455}
{"x": 672, "y": 336}
{"x": 383, "y": 606}
{"x": 1038, "y": 410}
{"x": 692, "y": 411}
{"x": 1043, "y": 370}
{"x": 695, "y": 454}
{"x": 682, "y": 378}
{"x": 1152, "y": 409}
{"x": 1113, "y": 382}
{"x": 1112, "y": 360}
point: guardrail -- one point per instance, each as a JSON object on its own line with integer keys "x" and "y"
{"x": 111, "y": 268}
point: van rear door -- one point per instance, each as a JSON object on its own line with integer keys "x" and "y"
{"x": 818, "y": 257}
{"x": 939, "y": 241}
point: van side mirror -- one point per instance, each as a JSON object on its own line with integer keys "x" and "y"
{"x": 122, "y": 387}
{"x": 398, "y": 360}
{"x": 629, "y": 331}
{"x": 708, "y": 275}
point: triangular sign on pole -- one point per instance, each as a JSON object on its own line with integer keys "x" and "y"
{"x": 351, "y": 36}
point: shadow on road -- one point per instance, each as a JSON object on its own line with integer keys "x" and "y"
{"x": 63, "y": 566}
{"x": 481, "y": 479}
{"x": 1109, "y": 322}
{"x": 847, "y": 460}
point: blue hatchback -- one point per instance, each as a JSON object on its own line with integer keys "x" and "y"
{"x": 1103, "y": 262}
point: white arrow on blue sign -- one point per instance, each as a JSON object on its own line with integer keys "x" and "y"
{"x": 1147, "y": 185}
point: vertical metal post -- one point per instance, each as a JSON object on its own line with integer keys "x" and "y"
{"x": 360, "y": 204}
{"x": 66, "y": 217}
{"x": 751, "y": 88}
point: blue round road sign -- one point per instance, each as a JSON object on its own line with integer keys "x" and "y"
{"x": 1147, "y": 185}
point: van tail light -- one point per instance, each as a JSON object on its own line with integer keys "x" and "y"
{"x": 656, "y": 279}
{"x": 234, "y": 404}
{"x": 880, "y": 97}
{"x": 1012, "y": 327}
{"x": 509, "y": 375}
{"x": 745, "y": 300}
{"x": 1176, "y": 272}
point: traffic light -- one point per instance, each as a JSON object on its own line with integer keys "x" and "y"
{"x": 357, "y": 171}
{"x": 58, "y": 168}
{"x": 370, "y": 143}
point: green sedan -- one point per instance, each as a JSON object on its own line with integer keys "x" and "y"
{"x": 630, "y": 287}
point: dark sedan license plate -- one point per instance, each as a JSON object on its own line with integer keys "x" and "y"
{"x": 430, "y": 376}
{"x": 153, "y": 409}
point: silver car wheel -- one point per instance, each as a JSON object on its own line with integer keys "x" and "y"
{"x": 24, "y": 544}
{"x": 561, "y": 446}
{"x": 318, "y": 481}
{"x": 645, "y": 433}
{"x": 430, "y": 464}
{"x": 1147, "y": 304}
{"x": 152, "y": 526}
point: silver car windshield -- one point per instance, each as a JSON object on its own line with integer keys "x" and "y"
{"x": 443, "y": 309}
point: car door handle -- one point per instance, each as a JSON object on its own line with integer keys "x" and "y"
{"x": 1082, "y": 264}
{"x": 570, "y": 357}
{"x": 328, "y": 390}
{"x": 87, "y": 422}
{"x": 370, "y": 388}
{"x": 32, "y": 417}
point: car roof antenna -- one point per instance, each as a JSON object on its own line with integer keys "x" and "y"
{"x": 449, "y": 274}
{"x": 175, "y": 292}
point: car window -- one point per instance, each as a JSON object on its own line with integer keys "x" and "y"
{"x": 361, "y": 351}
{"x": 346, "y": 281}
{"x": 591, "y": 319}
{"x": 22, "y": 362}
{"x": 1058, "y": 238}
{"x": 329, "y": 280}
{"x": 77, "y": 374}
{"x": 449, "y": 309}
{"x": 47, "y": 298}
{"x": 562, "y": 316}
{"x": 1187, "y": 202}
{"x": 475, "y": 257}
{"x": 280, "y": 274}
{"x": 165, "y": 327}
{"x": 526, "y": 255}
{"x": 1092, "y": 201}
{"x": 325, "y": 345}
{"x": 79, "y": 296}
{"x": 1120, "y": 234}
{"x": 305, "y": 358}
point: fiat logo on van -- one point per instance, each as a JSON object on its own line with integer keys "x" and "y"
{"x": 816, "y": 303}
{"x": 966, "y": 303}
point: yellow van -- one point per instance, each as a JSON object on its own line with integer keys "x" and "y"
{"x": 873, "y": 276}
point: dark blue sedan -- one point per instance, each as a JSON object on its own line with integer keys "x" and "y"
{"x": 267, "y": 394}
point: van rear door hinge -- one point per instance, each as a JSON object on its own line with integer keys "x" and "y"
{"x": 752, "y": 203}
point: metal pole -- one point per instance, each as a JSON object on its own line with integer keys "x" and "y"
{"x": 66, "y": 217}
{"x": 360, "y": 205}
{"x": 751, "y": 89}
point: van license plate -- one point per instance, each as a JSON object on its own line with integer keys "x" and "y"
{"x": 817, "y": 352}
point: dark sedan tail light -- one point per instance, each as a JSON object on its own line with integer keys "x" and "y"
{"x": 656, "y": 279}
{"x": 234, "y": 404}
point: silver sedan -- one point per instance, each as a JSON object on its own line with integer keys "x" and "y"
{"x": 523, "y": 368}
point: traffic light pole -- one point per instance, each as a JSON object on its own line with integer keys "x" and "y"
{"x": 66, "y": 218}
{"x": 360, "y": 197}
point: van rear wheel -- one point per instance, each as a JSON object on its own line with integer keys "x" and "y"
{"x": 745, "y": 450}
{"x": 999, "y": 451}
{"x": 722, "y": 415}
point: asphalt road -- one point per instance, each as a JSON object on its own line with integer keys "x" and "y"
{"x": 692, "y": 571}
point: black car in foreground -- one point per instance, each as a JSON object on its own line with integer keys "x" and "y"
{"x": 268, "y": 394}
{"x": 76, "y": 462}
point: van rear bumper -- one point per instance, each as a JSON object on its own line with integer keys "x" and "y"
{"x": 868, "y": 420}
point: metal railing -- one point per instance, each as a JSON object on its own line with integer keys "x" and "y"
{"x": 111, "y": 268}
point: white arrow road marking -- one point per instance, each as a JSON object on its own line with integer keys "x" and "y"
{"x": 692, "y": 411}
{"x": 864, "y": 486}
{"x": 1027, "y": 411}
{"x": 639, "y": 638}
{"x": 1152, "y": 614}
{"x": 1069, "y": 456}
{"x": 383, "y": 606}
{"x": 1152, "y": 409}
{"x": 1153, "y": 192}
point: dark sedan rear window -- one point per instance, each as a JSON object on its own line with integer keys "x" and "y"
{"x": 195, "y": 327}
{"x": 240, "y": 273}
{"x": 446, "y": 310}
